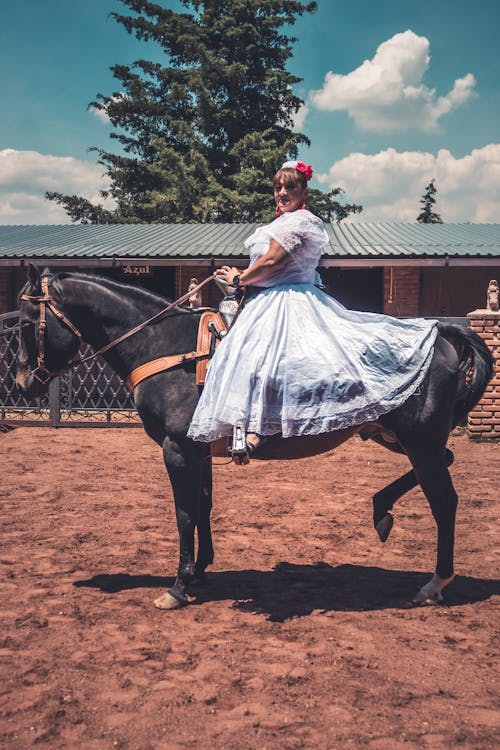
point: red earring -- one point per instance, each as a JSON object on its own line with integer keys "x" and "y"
{"x": 278, "y": 212}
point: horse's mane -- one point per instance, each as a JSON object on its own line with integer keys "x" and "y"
{"x": 118, "y": 287}
{"x": 133, "y": 295}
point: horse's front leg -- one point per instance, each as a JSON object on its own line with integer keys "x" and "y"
{"x": 205, "y": 547}
{"x": 184, "y": 463}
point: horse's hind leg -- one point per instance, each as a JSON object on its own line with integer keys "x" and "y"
{"x": 429, "y": 465}
{"x": 385, "y": 499}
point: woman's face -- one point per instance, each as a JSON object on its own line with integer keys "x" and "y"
{"x": 289, "y": 199}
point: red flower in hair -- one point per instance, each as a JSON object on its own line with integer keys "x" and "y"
{"x": 306, "y": 169}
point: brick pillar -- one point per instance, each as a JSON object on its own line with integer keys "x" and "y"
{"x": 402, "y": 291}
{"x": 484, "y": 420}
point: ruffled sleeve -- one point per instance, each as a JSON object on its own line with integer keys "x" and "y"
{"x": 293, "y": 230}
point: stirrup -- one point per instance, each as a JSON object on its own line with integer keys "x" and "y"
{"x": 239, "y": 448}
{"x": 242, "y": 449}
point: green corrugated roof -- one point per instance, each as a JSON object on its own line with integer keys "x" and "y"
{"x": 359, "y": 239}
{"x": 183, "y": 241}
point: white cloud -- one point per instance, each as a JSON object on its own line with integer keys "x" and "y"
{"x": 26, "y": 175}
{"x": 102, "y": 114}
{"x": 386, "y": 93}
{"x": 390, "y": 184}
{"x": 300, "y": 117}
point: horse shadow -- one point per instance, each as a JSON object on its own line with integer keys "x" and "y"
{"x": 290, "y": 590}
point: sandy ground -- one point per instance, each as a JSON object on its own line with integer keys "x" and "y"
{"x": 301, "y": 638}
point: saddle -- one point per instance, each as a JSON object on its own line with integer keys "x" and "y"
{"x": 211, "y": 329}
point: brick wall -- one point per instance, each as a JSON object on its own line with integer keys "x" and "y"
{"x": 402, "y": 291}
{"x": 484, "y": 420}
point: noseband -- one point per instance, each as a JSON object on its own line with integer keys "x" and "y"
{"x": 41, "y": 373}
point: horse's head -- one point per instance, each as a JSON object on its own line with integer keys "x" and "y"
{"x": 47, "y": 342}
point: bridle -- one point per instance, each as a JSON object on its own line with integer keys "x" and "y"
{"x": 45, "y": 300}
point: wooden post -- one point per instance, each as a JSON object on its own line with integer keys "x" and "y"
{"x": 55, "y": 402}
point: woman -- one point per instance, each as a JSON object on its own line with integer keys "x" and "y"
{"x": 297, "y": 362}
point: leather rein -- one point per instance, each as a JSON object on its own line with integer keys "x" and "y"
{"x": 45, "y": 300}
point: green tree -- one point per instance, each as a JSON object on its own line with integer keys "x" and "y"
{"x": 202, "y": 136}
{"x": 328, "y": 206}
{"x": 427, "y": 214}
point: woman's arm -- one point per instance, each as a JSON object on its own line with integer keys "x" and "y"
{"x": 276, "y": 257}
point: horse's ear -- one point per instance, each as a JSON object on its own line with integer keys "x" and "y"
{"x": 33, "y": 275}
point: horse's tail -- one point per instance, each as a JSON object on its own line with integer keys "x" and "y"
{"x": 475, "y": 367}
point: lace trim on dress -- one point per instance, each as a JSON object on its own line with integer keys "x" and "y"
{"x": 291, "y": 230}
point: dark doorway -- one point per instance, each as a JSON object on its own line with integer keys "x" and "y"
{"x": 454, "y": 291}
{"x": 358, "y": 290}
{"x": 159, "y": 279}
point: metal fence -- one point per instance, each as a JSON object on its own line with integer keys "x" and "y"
{"x": 90, "y": 394}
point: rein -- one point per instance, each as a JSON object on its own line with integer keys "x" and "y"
{"x": 41, "y": 373}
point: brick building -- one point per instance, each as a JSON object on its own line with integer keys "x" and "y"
{"x": 402, "y": 269}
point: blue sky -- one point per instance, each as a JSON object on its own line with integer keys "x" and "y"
{"x": 396, "y": 93}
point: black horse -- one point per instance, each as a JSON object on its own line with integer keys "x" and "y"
{"x": 102, "y": 310}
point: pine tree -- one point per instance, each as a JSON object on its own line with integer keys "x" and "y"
{"x": 427, "y": 215}
{"x": 202, "y": 136}
{"x": 328, "y": 207}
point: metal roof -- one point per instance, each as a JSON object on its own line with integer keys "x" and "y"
{"x": 414, "y": 240}
{"x": 348, "y": 240}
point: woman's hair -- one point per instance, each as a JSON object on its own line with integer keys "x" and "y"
{"x": 290, "y": 177}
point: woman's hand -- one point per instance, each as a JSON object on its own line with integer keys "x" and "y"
{"x": 275, "y": 259}
{"x": 227, "y": 273}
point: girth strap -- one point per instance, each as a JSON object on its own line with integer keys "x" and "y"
{"x": 160, "y": 365}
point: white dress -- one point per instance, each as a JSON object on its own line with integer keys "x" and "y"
{"x": 297, "y": 362}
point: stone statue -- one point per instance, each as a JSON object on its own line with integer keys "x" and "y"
{"x": 492, "y": 296}
{"x": 194, "y": 300}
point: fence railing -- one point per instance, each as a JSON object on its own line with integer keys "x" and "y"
{"x": 90, "y": 394}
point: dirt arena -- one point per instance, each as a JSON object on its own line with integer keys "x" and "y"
{"x": 301, "y": 639}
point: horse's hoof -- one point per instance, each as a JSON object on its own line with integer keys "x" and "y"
{"x": 426, "y": 600}
{"x": 167, "y": 601}
{"x": 384, "y": 526}
{"x": 431, "y": 592}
